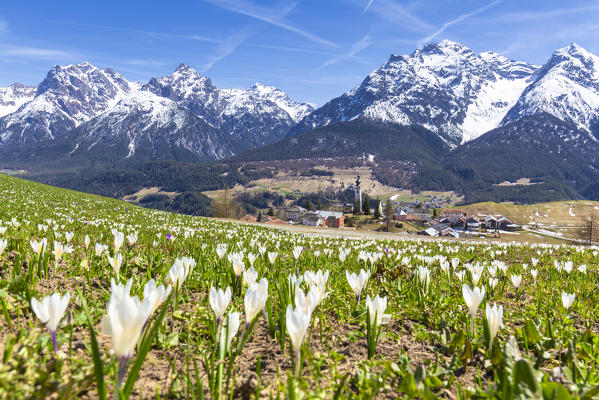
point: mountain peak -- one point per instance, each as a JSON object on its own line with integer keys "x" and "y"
{"x": 573, "y": 50}
{"x": 182, "y": 67}
{"x": 445, "y": 47}
{"x": 449, "y": 44}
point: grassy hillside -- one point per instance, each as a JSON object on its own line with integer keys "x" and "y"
{"x": 154, "y": 326}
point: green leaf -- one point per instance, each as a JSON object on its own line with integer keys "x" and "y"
{"x": 532, "y": 333}
{"x": 467, "y": 353}
{"x": 525, "y": 381}
{"x": 458, "y": 340}
{"x": 555, "y": 391}
{"x": 98, "y": 364}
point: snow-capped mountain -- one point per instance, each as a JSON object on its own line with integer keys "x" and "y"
{"x": 567, "y": 86}
{"x": 14, "y": 96}
{"x": 258, "y": 115}
{"x": 67, "y": 97}
{"x": 178, "y": 114}
{"x": 144, "y": 126}
{"x": 444, "y": 87}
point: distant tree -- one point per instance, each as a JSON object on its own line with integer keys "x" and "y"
{"x": 419, "y": 205}
{"x": 271, "y": 212}
{"x": 357, "y": 208}
{"x": 377, "y": 212}
{"x": 309, "y": 205}
{"x": 435, "y": 213}
{"x": 588, "y": 230}
{"x": 366, "y": 206}
{"x": 259, "y": 219}
{"x": 225, "y": 208}
{"x": 389, "y": 214}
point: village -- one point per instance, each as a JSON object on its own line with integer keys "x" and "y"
{"x": 433, "y": 217}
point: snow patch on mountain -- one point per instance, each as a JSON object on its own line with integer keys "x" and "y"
{"x": 14, "y": 96}
{"x": 445, "y": 87}
{"x": 566, "y": 87}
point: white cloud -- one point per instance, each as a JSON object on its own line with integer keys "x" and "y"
{"x": 34, "y": 52}
{"x": 270, "y": 16}
{"x": 144, "y": 62}
{"x": 457, "y": 21}
{"x": 535, "y": 15}
{"x": 398, "y": 14}
{"x": 224, "y": 50}
{"x": 355, "y": 49}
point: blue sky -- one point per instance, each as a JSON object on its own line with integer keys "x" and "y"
{"x": 312, "y": 49}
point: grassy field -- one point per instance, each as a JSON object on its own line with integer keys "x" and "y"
{"x": 556, "y": 213}
{"x": 144, "y": 319}
{"x": 289, "y": 183}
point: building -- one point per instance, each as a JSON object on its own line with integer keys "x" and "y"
{"x": 276, "y": 221}
{"x": 333, "y": 219}
{"x": 490, "y": 222}
{"x": 453, "y": 215}
{"x": 344, "y": 208}
{"x": 312, "y": 219}
{"x": 248, "y": 218}
{"x": 472, "y": 224}
{"x": 295, "y": 214}
{"x": 432, "y": 232}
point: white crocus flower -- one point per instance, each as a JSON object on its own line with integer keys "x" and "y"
{"x": 86, "y": 241}
{"x": 307, "y": 303}
{"x": 132, "y": 239}
{"x": 297, "y": 252}
{"x": 238, "y": 266}
{"x": 272, "y": 256}
{"x": 297, "y": 322}
{"x": 156, "y": 294}
{"x": 568, "y": 299}
{"x": 250, "y": 276}
{"x": 534, "y": 273}
{"x": 255, "y": 300}
{"x": 58, "y": 252}
{"x": 69, "y": 236}
{"x": 424, "y": 276}
{"x": 219, "y": 301}
{"x": 119, "y": 238}
{"x": 50, "y": 311}
{"x": 38, "y": 247}
{"x": 116, "y": 263}
{"x": 232, "y": 327}
{"x": 118, "y": 291}
{"x": 177, "y": 273}
{"x": 251, "y": 259}
{"x": 357, "y": 281}
{"x": 493, "y": 282}
{"x": 516, "y": 280}
{"x": 124, "y": 323}
{"x": 473, "y": 298}
{"x": 376, "y": 309}
{"x": 100, "y": 248}
{"x": 494, "y": 315}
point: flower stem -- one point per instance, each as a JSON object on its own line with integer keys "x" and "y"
{"x": 53, "y": 333}
{"x": 120, "y": 376}
{"x": 297, "y": 362}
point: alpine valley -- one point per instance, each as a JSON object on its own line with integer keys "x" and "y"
{"x": 440, "y": 118}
